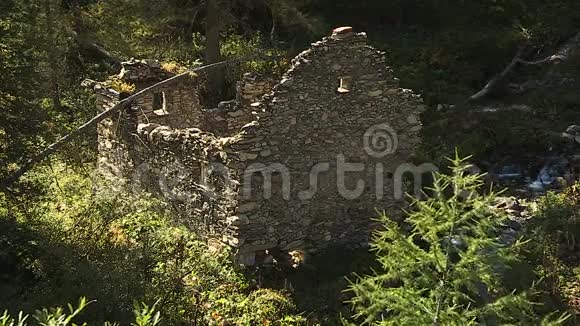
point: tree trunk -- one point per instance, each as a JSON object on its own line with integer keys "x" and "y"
{"x": 83, "y": 36}
{"x": 52, "y": 52}
{"x": 212, "y": 52}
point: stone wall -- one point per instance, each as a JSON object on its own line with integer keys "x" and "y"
{"x": 230, "y": 116}
{"x": 182, "y": 166}
{"x": 176, "y": 105}
{"x": 274, "y": 171}
{"x": 143, "y": 72}
{"x": 114, "y": 136}
{"x": 307, "y": 121}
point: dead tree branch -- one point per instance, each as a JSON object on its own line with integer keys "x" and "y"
{"x": 113, "y": 58}
{"x": 499, "y": 81}
{"x": 496, "y": 82}
{"x": 88, "y": 44}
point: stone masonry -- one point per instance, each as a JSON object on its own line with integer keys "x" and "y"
{"x": 265, "y": 170}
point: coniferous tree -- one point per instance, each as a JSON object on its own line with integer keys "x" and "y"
{"x": 447, "y": 270}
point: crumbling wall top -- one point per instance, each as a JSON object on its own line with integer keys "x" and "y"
{"x": 344, "y": 32}
{"x": 140, "y": 71}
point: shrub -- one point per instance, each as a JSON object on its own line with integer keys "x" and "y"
{"x": 236, "y": 46}
{"x": 122, "y": 87}
{"x": 553, "y": 234}
{"x": 557, "y": 217}
{"x": 122, "y": 248}
{"x": 173, "y": 67}
{"x": 260, "y": 307}
{"x": 144, "y": 316}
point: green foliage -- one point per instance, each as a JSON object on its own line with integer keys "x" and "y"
{"x": 58, "y": 316}
{"x": 558, "y": 214}
{"x": 259, "y": 308}
{"x": 448, "y": 50}
{"x": 136, "y": 28}
{"x": 175, "y": 30}
{"x": 236, "y": 46}
{"x": 47, "y": 317}
{"x": 7, "y": 320}
{"x": 173, "y": 67}
{"x": 59, "y": 241}
{"x": 40, "y": 75}
{"x": 448, "y": 268}
{"x": 20, "y": 116}
{"x": 519, "y": 131}
{"x": 119, "y": 249}
{"x": 554, "y": 234}
{"x": 144, "y": 316}
{"x": 122, "y": 87}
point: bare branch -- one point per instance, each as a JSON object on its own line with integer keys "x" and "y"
{"x": 497, "y": 82}
{"x": 537, "y": 62}
{"x": 94, "y": 46}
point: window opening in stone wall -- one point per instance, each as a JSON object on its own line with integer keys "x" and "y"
{"x": 345, "y": 84}
{"x": 198, "y": 171}
{"x": 204, "y": 174}
{"x": 160, "y": 103}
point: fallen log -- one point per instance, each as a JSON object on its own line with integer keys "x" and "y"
{"x": 564, "y": 53}
{"x": 496, "y": 82}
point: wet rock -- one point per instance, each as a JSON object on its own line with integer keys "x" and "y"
{"x": 572, "y": 133}
{"x": 549, "y": 174}
{"x": 510, "y": 172}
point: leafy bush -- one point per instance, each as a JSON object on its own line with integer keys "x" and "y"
{"x": 553, "y": 234}
{"x": 448, "y": 269}
{"x": 122, "y": 87}
{"x": 118, "y": 249}
{"x": 173, "y": 67}
{"x": 144, "y": 316}
{"x": 558, "y": 216}
{"x": 236, "y": 46}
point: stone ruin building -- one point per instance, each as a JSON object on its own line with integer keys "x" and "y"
{"x": 260, "y": 172}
